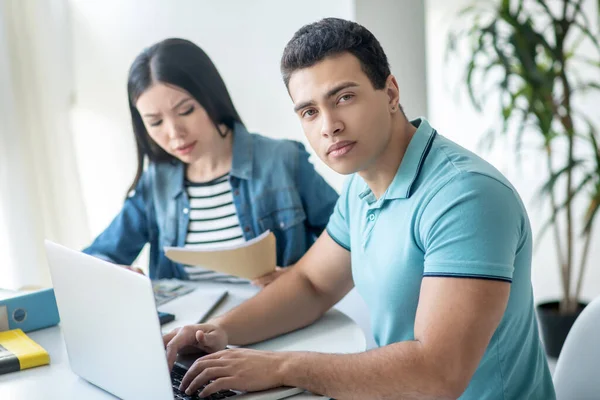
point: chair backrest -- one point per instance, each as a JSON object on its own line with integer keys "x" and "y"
{"x": 577, "y": 373}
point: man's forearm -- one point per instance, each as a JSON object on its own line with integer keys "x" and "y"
{"x": 397, "y": 371}
{"x": 289, "y": 303}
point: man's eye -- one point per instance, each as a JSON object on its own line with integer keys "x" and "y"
{"x": 309, "y": 113}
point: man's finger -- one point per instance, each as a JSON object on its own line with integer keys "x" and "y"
{"x": 168, "y": 336}
{"x": 217, "y": 385}
{"x": 216, "y": 355}
{"x": 207, "y": 341}
{"x": 195, "y": 379}
{"x": 198, "y": 367}
{"x": 171, "y": 354}
{"x": 185, "y": 337}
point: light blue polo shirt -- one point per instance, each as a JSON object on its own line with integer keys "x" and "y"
{"x": 447, "y": 213}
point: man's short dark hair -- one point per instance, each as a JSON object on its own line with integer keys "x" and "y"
{"x": 332, "y": 36}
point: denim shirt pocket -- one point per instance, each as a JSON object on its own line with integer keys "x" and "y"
{"x": 279, "y": 210}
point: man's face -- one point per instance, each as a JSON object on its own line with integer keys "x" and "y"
{"x": 346, "y": 121}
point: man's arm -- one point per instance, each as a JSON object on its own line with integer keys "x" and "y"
{"x": 298, "y": 298}
{"x": 456, "y": 318}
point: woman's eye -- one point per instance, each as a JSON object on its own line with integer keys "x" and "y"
{"x": 156, "y": 123}
{"x": 188, "y": 111}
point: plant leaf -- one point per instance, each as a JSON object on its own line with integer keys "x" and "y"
{"x": 551, "y": 182}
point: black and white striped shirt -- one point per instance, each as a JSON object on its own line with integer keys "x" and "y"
{"x": 213, "y": 223}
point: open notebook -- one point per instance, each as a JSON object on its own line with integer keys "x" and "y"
{"x": 248, "y": 260}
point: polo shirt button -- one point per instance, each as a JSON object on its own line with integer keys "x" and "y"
{"x": 185, "y": 211}
{"x": 247, "y": 229}
{"x": 371, "y": 217}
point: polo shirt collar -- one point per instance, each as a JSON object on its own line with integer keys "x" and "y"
{"x": 410, "y": 167}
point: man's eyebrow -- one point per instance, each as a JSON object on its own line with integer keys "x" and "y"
{"x": 331, "y": 92}
{"x": 339, "y": 88}
{"x": 303, "y": 105}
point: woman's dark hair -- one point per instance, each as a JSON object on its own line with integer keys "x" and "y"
{"x": 176, "y": 62}
{"x": 332, "y": 36}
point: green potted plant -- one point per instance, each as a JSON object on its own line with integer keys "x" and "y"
{"x": 529, "y": 53}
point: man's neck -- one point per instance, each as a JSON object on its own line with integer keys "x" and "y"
{"x": 380, "y": 174}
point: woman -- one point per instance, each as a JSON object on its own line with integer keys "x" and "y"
{"x": 207, "y": 179}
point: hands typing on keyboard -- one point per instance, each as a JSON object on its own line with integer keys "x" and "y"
{"x": 177, "y": 375}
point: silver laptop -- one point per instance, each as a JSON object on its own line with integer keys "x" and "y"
{"x": 112, "y": 332}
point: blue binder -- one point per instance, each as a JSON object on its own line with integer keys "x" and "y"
{"x": 29, "y": 311}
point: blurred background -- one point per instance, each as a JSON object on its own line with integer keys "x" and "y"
{"x": 66, "y": 146}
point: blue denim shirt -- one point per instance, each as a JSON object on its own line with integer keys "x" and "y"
{"x": 274, "y": 188}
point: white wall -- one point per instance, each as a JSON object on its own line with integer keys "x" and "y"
{"x": 399, "y": 25}
{"x": 451, "y": 112}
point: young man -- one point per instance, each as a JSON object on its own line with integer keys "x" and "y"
{"x": 435, "y": 239}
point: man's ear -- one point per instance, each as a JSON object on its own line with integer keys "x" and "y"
{"x": 393, "y": 92}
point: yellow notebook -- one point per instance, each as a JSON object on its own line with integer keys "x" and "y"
{"x": 18, "y": 351}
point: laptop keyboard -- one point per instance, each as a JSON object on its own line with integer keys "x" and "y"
{"x": 176, "y": 377}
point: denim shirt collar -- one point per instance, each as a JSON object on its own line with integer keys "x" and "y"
{"x": 242, "y": 161}
{"x": 243, "y": 153}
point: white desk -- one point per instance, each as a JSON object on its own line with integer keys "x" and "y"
{"x": 334, "y": 333}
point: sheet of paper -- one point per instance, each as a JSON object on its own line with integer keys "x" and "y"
{"x": 249, "y": 260}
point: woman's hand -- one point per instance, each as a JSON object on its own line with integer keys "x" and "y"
{"x": 132, "y": 268}
{"x": 267, "y": 279}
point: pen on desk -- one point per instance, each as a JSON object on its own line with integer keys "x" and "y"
{"x": 213, "y": 308}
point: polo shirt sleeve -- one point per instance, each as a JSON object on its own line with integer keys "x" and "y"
{"x": 473, "y": 227}
{"x": 338, "y": 227}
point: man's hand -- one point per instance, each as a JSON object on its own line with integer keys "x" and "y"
{"x": 238, "y": 369}
{"x": 205, "y": 337}
{"x": 270, "y": 277}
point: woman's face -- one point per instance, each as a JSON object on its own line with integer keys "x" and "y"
{"x": 177, "y": 122}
